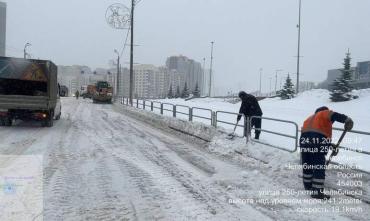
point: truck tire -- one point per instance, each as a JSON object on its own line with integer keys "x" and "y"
{"x": 58, "y": 116}
{"x": 6, "y": 121}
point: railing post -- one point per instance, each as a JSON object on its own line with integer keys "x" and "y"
{"x": 215, "y": 119}
{"x": 137, "y": 103}
{"x": 174, "y": 111}
{"x": 189, "y": 114}
{"x": 151, "y": 106}
{"x": 144, "y": 104}
{"x": 161, "y": 108}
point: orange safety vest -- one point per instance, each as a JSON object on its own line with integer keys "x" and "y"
{"x": 319, "y": 123}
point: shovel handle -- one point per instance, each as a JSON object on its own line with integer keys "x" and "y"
{"x": 336, "y": 146}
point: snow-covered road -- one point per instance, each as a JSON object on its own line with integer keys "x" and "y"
{"x": 100, "y": 164}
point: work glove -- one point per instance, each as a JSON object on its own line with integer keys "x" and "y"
{"x": 348, "y": 124}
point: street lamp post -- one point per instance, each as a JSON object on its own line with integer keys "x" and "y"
{"x": 276, "y": 74}
{"x": 204, "y": 77}
{"x": 270, "y": 86}
{"x": 299, "y": 43}
{"x": 119, "y": 16}
{"x": 118, "y": 72}
{"x": 24, "y": 50}
{"x": 132, "y": 52}
{"x": 261, "y": 81}
{"x": 210, "y": 71}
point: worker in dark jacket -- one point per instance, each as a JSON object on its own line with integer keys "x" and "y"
{"x": 315, "y": 143}
{"x": 249, "y": 108}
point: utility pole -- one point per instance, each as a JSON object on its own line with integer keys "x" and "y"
{"x": 299, "y": 43}
{"x": 118, "y": 73}
{"x": 24, "y": 50}
{"x": 270, "y": 86}
{"x": 210, "y": 70}
{"x": 276, "y": 74}
{"x": 281, "y": 81}
{"x": 132, "y": 52}
{"x": 204, "y": 77}
{"x": 261, "y": 81}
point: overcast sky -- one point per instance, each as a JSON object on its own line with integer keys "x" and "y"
{"x": 248, "y": 35}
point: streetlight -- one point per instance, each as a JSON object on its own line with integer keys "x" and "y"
{"x": 24, "y": 50}
{"x": 276, "y": 73}
{"x": 261, "y": 69}
{"x": 203, "y": 77}
{"x": 210, "y": 70}
{"x": 270, "y": 86}
{"x": 299, "y": 43}
{"x": 118, "y": 72}
{"x": 132, "y": 51}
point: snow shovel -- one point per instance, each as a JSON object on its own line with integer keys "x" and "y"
{"x": 336, "y": 147}
{"x": 231, "y": 136}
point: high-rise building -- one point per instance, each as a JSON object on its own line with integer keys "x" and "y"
{"x": 192, "y": 70}
{"x": 176, "y": 80}
{"x": 2, "y": 28}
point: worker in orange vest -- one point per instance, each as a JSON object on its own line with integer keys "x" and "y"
{"x": 315, "y": 142}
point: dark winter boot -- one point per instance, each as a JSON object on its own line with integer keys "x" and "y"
{"x": 319, "y": 194}
{"x": 307, "y": 186}
{"x": 257, "y": 135}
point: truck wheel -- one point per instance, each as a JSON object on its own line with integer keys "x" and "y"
{"x": 6, "y": 121}
{"x": 58, "y": 116}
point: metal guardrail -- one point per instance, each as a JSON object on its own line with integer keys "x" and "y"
{"x": 198, "y": 116}
{"x": 155, "y": 107}
{"x": 214, "y": 118}
{"x": 189, "y": 114}
{"x": 244, "y": 125}
{"x": 295, "y": 137}
{"x": 173, "y": 110}
{"x": 354, "y": 132}
{"x": 225, "y": 122}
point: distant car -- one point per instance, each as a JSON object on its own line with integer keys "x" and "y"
{"x": 63, "y": 91}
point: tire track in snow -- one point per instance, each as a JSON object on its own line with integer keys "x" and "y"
{"x": 169, "y": 172}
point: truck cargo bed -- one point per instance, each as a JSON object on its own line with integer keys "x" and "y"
{"x": 24, "y": 102}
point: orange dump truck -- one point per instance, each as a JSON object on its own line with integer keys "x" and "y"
{"x": 103, "y": 92}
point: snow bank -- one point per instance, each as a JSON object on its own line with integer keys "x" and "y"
{"x": 195, "y": 129}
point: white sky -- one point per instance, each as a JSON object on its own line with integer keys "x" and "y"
{"x": 248, "y": 35}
